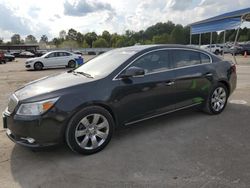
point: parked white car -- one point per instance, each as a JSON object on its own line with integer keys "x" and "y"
{"x": 52, "y": 59}
{"x": 214, "y": 48}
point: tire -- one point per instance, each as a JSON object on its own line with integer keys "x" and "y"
{"x": 90, "y": 130}
{"x": 217, "y": 99}
{"x": 71, "y": 64}
{"x": 38, "y": 66}
{"x": 217, "y": 52}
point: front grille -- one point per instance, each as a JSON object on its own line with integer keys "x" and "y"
{"x": 13, "y": 101}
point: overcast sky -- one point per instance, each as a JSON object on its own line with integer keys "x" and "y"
{"x": 51, "y": 16}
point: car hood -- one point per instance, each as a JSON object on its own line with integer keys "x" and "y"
{"x": 51, "y": 83}
{"x": 33, "y": 59}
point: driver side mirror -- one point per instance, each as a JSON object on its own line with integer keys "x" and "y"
{"x": 133, "y": 71}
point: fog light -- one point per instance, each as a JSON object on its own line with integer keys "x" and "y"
{"x": 8, "y": 131}
{"x": 30, "y": 140}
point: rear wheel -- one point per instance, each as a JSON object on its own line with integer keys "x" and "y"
{"x": 38, "y": 66}
{"x": 90, "y": 130}
{"x": 217, "y": 99}
{"x": 72, "y": 64}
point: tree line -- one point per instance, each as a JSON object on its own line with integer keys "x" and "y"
{"x": 160, "y": 33}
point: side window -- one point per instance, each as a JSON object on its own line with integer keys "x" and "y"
{"x": 204, "y": 58}
{"x": 183, "y": 58}
{"x": 60, "y": 54}
{"x": 52, "y": 55}
{"x": 154, "y": 61}
{"x": 66, "y": 54}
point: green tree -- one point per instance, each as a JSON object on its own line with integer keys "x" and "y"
{"x": 30, "y": 39}
{"x": 16, "y": 39}
{"x": 84, "y": 44}
{"x": 1, "y": 40}
{"x": 100, "y": 43}
{"x": 72, "y": 35}
{"x": 79, "y": 38}
{"x": 106, "y": 35}
{"x": 90, "y": 38}
{"x": 121, "y": 42}
{"x": 177, "y": 35}
{"x": 69, "y": 44}
{"x": 44, "y": 39}
{"x": 56, "y": 42}
{"x": 62, "y": 34}
{"x": 161, "y": 39}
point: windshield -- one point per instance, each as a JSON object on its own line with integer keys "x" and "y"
{"x": 106, "y": 63}
{"x": 45, "y": 54}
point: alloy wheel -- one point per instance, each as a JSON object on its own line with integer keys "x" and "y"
{"x": 218, "y": 99}
{"x": 92, "y": 131}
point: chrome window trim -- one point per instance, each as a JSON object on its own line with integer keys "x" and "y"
{"x": 117, "y": 75}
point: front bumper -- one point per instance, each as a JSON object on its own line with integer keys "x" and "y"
{"x": 29, "y": 66}
{"x": 33, "y": 132}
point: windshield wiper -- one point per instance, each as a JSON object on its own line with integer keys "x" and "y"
{"x": 83, "y": 73}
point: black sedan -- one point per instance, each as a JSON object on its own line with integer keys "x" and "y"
{"x": 9, "y": 57}
{"x": 118, "y": 88}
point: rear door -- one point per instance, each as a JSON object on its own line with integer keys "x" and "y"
{"x": 148, "y": 95}
{"x": 194, "y": 74}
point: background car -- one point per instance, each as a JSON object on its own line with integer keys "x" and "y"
{"x": 2, "y": 60}
{"x": 40, "y": 53}
{"x": 118, "y": 88}
{"x": 26, "y": 54}
{"x": 9, "y": 57}
{"x": 213, "y": 48}
{"x": 53, "y": 59}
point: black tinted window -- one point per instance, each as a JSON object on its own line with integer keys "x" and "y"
{"x": 154, "y": 61}
{"x": 183, "y": 58}
{"x": 204, "y": 58}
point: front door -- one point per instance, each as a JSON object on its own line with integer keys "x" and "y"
{"x": 148, "y": 95}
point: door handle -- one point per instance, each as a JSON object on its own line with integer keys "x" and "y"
{"x": 170, "y": 83}
{"x": 208, "y": 74}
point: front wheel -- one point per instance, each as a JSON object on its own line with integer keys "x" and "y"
{"x": 38, "y": 66}
{"x": 90, "y": 130}
{"x": 217, "y": 99}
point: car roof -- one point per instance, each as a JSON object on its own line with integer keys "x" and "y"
{"x": 59, "y": 51}
{"x": 160, "y": 46}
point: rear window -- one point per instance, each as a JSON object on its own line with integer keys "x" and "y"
{"x": 204, "y": 58}
{"x": 184, "y": 58}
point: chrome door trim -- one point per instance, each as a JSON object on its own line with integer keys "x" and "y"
{"x": 115, "y": 78}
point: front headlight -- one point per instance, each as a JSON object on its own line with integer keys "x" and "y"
{"x": 28, "y": 62}
{"x": 36, "y": 108}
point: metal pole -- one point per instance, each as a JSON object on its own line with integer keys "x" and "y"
{"x": 190, "y": 35}
{"x": 211, "y": 38}
{"x": 235, "y": 41}
{"x": 200, "y": 40}
{"x": 224, "y": 41}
